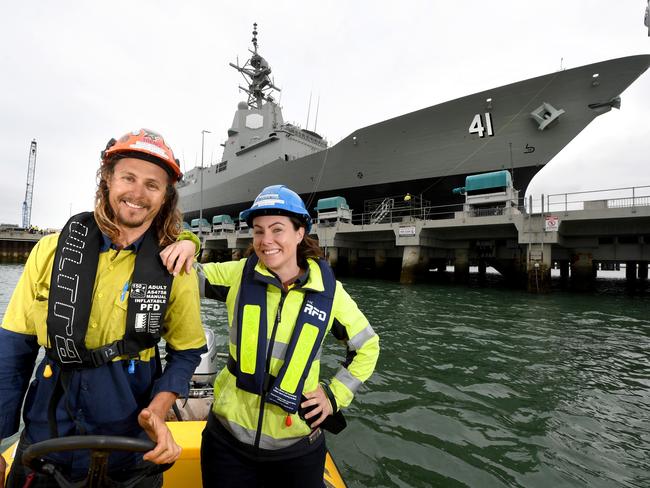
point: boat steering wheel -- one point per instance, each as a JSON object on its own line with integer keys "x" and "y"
{"x": 100, "y": 447}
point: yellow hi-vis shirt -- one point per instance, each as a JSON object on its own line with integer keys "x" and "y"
{"x": 239, "y": 410}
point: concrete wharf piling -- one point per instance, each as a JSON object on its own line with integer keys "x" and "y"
{"x": 16, "y": 243}
{"x": 578, "y": 233}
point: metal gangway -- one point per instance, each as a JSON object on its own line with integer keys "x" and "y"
{"x": 395, "y": 208}
{"x": 382, "y": 210}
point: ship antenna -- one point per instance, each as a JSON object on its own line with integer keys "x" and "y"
{"x": 308, "y": 112}
{"x": 256, "y": 71}
{"x": 317, "y": 107}
{"x": 255, "y": 37}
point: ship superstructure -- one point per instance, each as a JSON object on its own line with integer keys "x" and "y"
{"x": 258, "y": 132}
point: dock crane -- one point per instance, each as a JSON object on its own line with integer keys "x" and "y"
{"x": 29, "y": 190}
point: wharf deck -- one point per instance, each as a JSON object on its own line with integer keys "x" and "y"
{"x": 16, "y": 244}
{"x": 576, "y": 236}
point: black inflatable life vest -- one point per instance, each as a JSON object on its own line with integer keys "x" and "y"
{"x": 70, "y": 299}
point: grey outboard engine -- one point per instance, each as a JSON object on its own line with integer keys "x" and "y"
{"x": 196, "y": 406}
{"x": 207, "y": 370}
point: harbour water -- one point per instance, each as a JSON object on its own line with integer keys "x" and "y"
{"x": 491, "y": 387}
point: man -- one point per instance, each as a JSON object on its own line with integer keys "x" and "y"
{"x": 98, "y": 299}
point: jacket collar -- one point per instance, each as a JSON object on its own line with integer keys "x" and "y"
{"x": 311, "y": 279}
{"x": 107, "y": 244}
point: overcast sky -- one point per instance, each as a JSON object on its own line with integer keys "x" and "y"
{"x": 75, "y": 73}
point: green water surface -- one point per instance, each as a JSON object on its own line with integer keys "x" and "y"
{"x": 490, "y": 387}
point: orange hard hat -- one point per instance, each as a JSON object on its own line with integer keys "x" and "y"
{"x": 144, "y": 144}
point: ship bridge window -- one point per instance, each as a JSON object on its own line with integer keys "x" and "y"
{"x": 628, "y": 239}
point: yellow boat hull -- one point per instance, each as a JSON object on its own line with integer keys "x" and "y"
{"x": 187, "y": 469}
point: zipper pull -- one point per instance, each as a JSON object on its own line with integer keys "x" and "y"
{"x": 131, "y": 366}
{"x": 287, "y": 420}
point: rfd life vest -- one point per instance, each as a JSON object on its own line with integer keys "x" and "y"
{"x": 285, "y": 390}
{"x": 71, "y": 290}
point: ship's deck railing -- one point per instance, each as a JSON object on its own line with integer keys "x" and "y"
{"x": 627, "y": 197}
{"x": 297, "y": 131}
{"x": 401, "y": 211}
{"x": 399, "y": 201}
{"x": 395, "y": 209}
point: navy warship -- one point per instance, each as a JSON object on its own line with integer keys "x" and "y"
{"x": 518, "y": 127}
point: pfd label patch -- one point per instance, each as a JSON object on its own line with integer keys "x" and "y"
{"x": 149, "y": 300}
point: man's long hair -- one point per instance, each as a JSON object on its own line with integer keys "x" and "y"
{"x": 167, "y": 223}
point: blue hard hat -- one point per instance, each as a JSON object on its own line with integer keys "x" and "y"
{"x": 277, "y": 200}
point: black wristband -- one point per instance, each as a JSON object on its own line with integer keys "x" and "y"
{"x": 330, "y": 397}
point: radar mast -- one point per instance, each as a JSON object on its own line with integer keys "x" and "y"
{"x": 256, "y": 72}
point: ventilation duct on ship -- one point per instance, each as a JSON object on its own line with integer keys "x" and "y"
{"x": 545, "y": 114}
{"x": 603, "y": 107}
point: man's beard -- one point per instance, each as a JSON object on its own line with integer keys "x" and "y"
{"x": 131, "y": 223}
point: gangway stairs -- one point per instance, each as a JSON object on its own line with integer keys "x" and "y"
{"x": 382, "y": 210}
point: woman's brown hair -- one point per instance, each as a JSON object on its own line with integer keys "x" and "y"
{"x": 167, "y": 223}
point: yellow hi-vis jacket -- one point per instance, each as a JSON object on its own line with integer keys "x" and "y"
{"x": 238, "y": 410}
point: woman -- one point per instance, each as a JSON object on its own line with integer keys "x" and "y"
{"x": 265, "y": 427}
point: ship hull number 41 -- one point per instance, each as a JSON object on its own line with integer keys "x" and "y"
{"x": 482, "y": 125}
